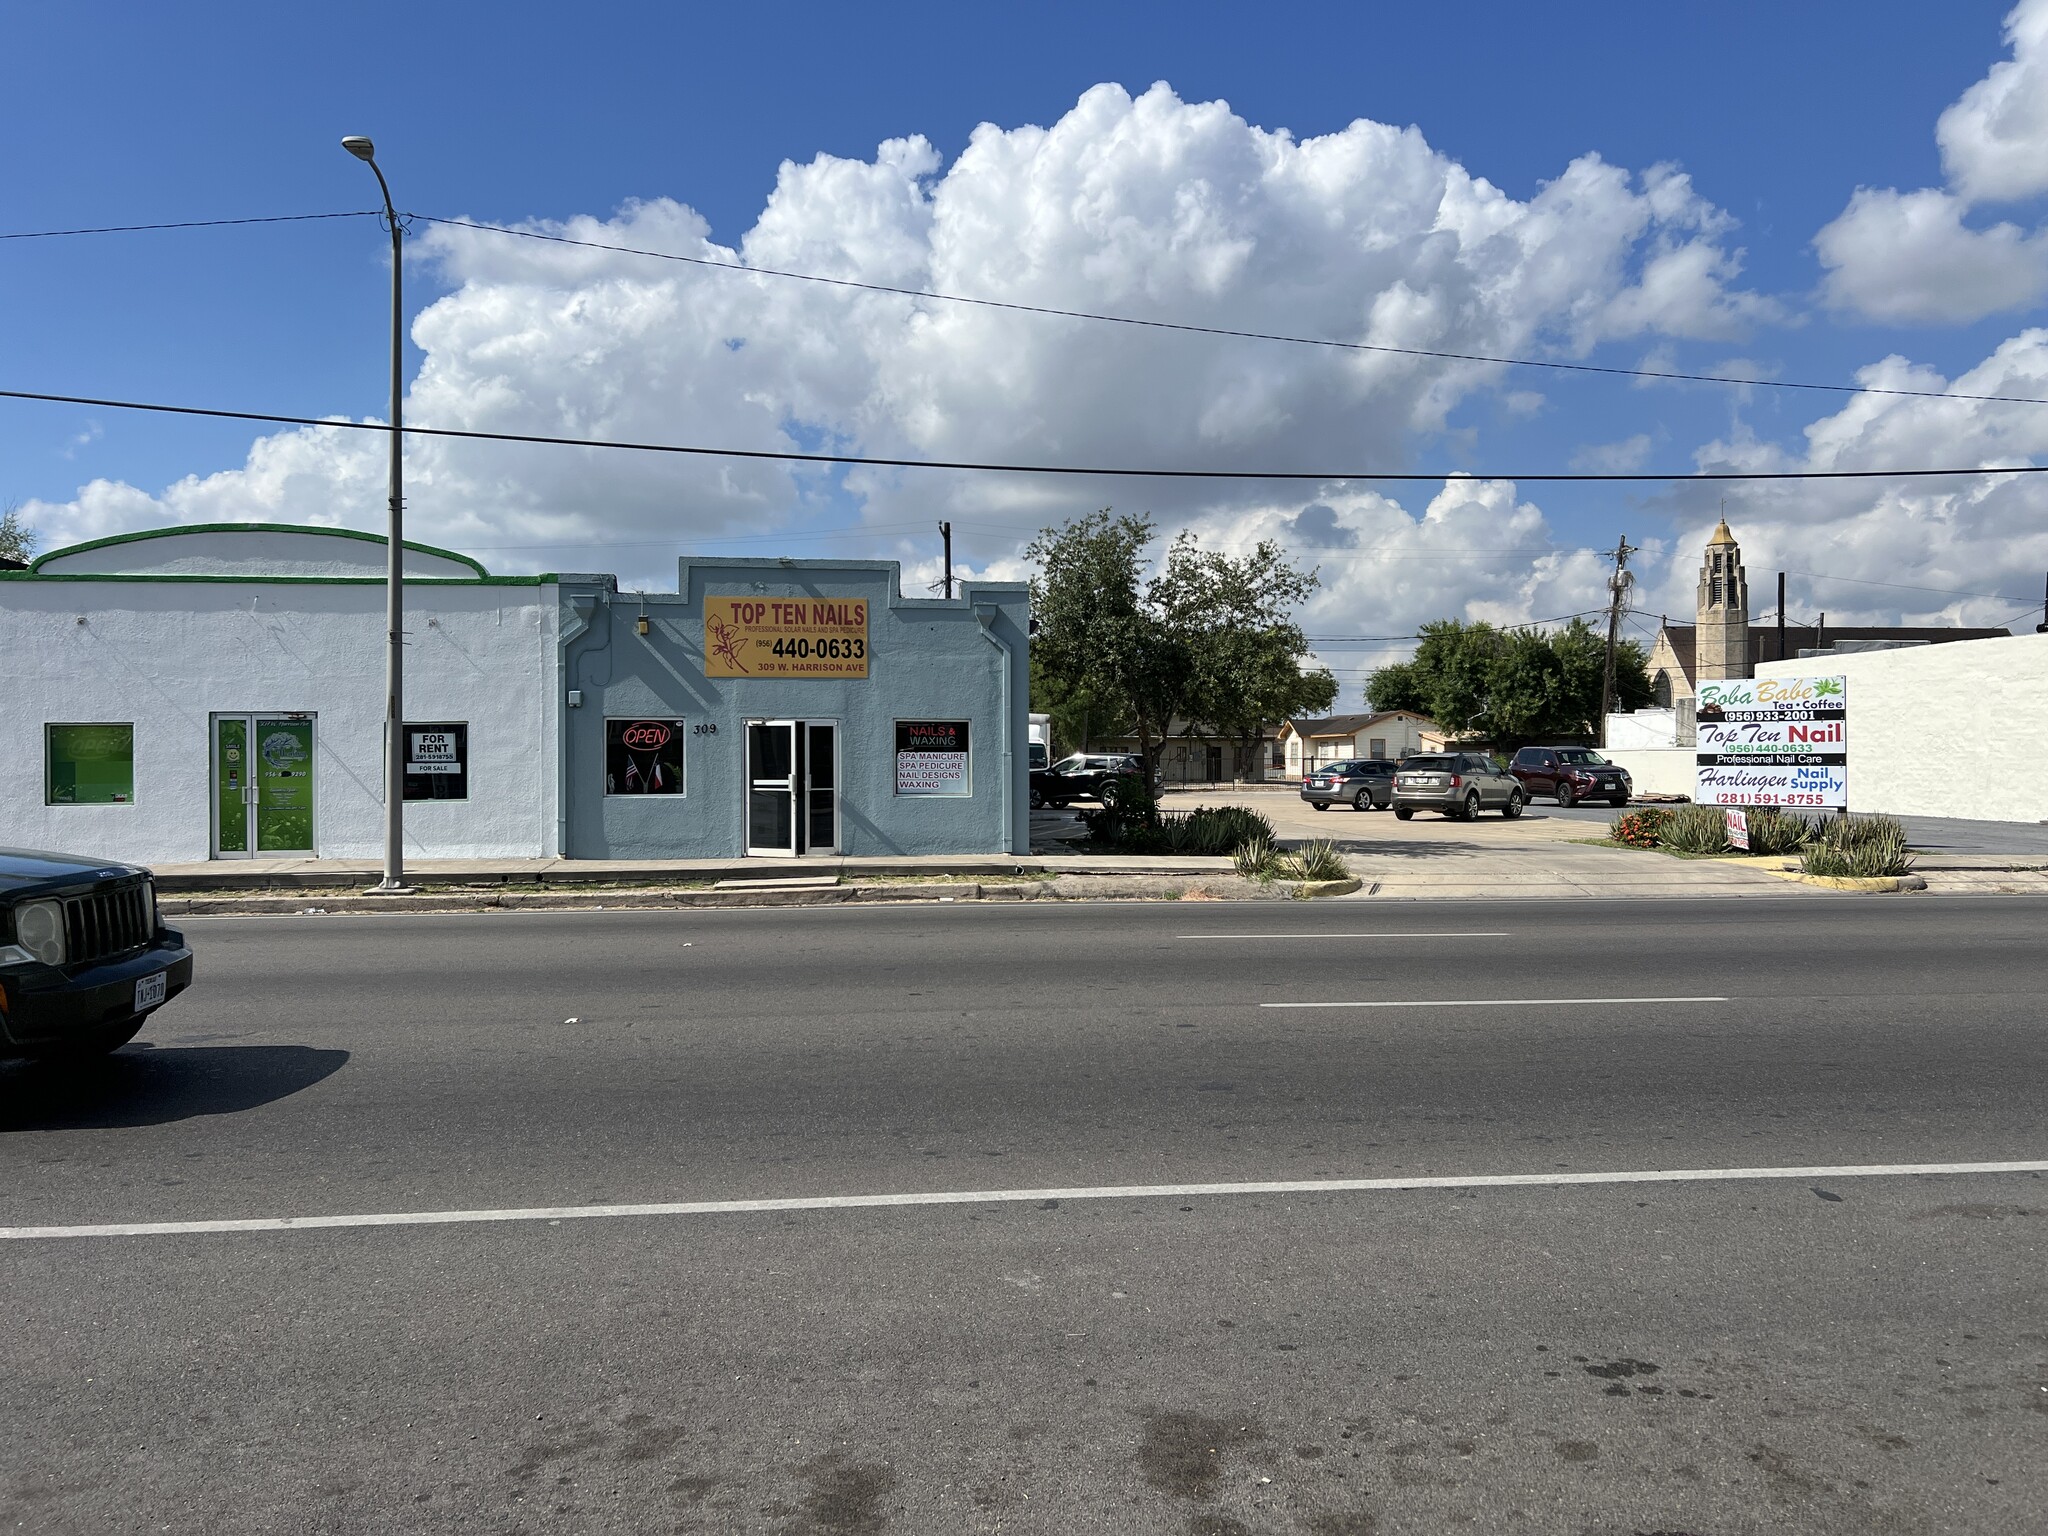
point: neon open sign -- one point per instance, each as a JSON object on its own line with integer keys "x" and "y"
{"x": 645, "y": 736}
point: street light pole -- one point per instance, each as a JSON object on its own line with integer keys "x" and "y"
{"x": 394, "y": 553}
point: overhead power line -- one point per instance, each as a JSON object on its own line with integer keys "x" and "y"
{"x": 130, "y": 229}
{"x": 1900, "y": 586}
{"x": 1078, "y": 471}
{"x": 1667, "y": 375}
{"x": 1663, "y": 374}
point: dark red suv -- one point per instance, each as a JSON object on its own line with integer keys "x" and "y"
{"x": 1570, "y": 773}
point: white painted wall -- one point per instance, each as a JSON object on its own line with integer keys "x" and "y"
{"x": 1959, "y": 729}
{"x": 167, "y": 655}
{"x": 1656, "y": 770}
{"x": 1642, "y": 728}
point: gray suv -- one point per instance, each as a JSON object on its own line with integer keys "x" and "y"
{"x": 1458, "y": 784}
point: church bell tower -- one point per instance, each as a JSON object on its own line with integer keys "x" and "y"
{"x": 1721, "y": 643}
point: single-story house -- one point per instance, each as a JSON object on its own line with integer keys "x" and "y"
{"x": 1388, "y": 733}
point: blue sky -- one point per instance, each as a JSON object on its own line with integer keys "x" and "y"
{"x": 509, "y": 112}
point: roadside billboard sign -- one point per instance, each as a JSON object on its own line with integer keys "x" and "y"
{"x": 1773, "y": 741}
{"x": 785, "y": 637}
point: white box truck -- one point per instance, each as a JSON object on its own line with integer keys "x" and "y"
{"x": 1038, "y": 739}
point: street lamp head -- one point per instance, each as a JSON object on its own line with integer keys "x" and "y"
{"x": 359, "y": 146}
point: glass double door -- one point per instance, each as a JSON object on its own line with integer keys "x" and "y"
{"x": 262, "y": 785}
{"x": 792, "y": 787}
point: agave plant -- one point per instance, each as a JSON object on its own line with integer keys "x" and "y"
{"x": 1859, "y": 846}
{"x": 1318, "y": 860}
{"x": 1255, "y": 857}
{"x": 1695, "y": 829}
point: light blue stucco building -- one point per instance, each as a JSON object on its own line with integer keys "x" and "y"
{"x": 791, "y": 708}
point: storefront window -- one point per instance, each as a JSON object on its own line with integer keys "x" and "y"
{"x": 643, "y": 757}
{"x": 89, "y": 764}
{"x": 437, "y": 760}
{"x": 931, "y": 757}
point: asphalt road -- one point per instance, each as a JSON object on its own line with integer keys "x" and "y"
{"x": 1839, "y": 1353}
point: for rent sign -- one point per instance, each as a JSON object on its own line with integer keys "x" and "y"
{"x": 785, "y": 637}
{"x": 1773, "y": 741}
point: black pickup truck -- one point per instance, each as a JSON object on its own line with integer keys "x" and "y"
{"x": 83, "y": 958}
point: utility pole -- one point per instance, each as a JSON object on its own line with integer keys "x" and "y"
{"x": 393, "y": 882}
{"x": 2042, "y": 627}
{"x": 1781, "y": 615}
{"x": 1618, "y": 584}
{"x": 946, "y": 533}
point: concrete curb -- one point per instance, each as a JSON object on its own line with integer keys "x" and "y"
{"x": 1072, "y": 887}
{"x": 1867, "y": 883}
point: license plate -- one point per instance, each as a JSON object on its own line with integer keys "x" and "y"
{"x": 149, "y": 991}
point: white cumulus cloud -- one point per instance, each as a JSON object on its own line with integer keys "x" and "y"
{"x": 1912, "y": 256}
{"x": 1144, "y": 206}
{"x": 1965, "y": 550}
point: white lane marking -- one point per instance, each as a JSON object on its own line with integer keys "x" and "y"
{"x": 1012, "y": 1197}
{"x": 1383, "y": 933}
{"x": 1503, "y": 1002}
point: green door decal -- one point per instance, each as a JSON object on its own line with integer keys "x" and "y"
{"x": 230, "y": 779}
{"x": 284, "y": 786}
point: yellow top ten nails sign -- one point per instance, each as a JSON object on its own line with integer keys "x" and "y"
{"x": 785, "y": 637}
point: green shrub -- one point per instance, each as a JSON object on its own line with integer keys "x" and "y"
{"x": 1255, "y": 858}
{"x": 1317, "y": 860}
{"x": 1858, "y": 846}
{"x": 1639, "y": 829}
{"x": 1210, "y": 831}
{"x": 1128, "y": 805}
{"x": 1774, "y": 830}
{"x": 1695, "y": 829}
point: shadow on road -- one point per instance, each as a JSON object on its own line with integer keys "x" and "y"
{"x": 144, "y": 1085}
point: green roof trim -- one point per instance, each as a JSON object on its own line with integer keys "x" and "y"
{"x": 35, "y": 566}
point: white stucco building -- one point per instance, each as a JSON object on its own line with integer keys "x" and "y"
{"x": 218, "y": 692}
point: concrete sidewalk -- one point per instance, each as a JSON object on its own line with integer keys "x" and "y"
{"x": 1541, "y": 855}
{"x": 360, "y": 874}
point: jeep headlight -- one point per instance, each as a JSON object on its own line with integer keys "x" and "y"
{"x": 39, "y": 929}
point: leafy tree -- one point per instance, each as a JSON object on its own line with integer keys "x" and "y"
{"x": 1096, "y": 645}
{"x": 1232, "y": 618}
{"x": 1511, "y": 685}
{"x": 1208, "y": 639}
{"x": 17, "y": 540}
